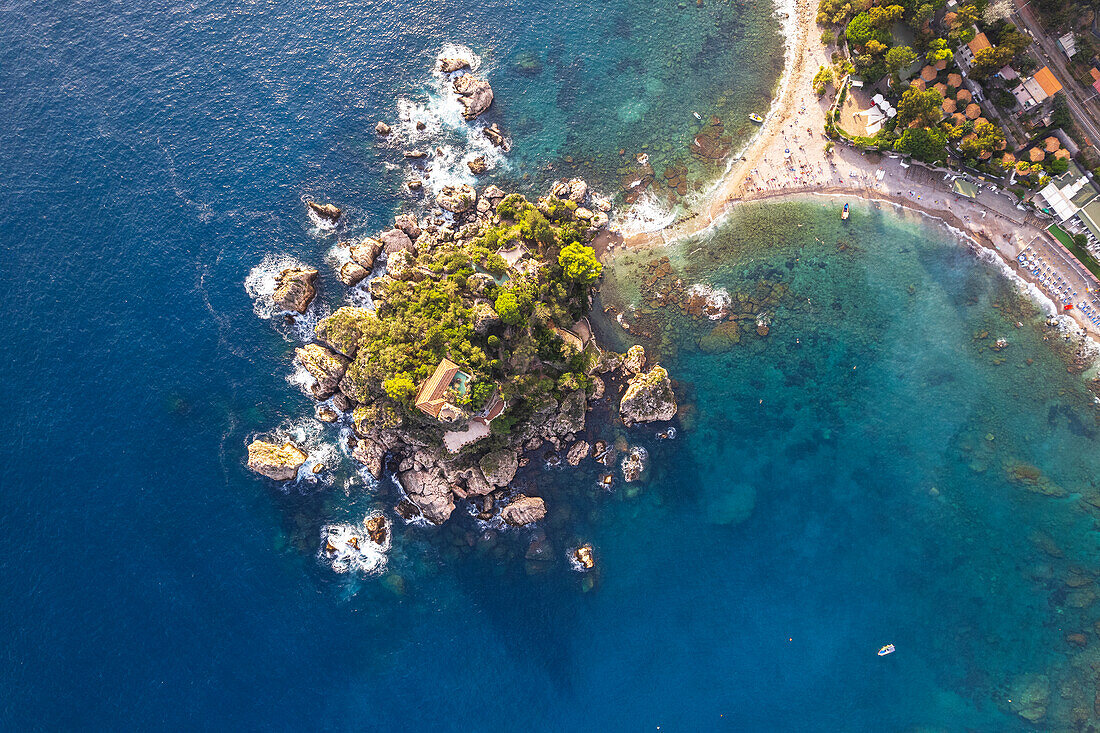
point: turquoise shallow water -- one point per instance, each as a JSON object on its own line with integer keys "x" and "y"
{"x": 153, "y": 155}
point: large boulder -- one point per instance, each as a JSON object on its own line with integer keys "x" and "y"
{"x": 352, "y": 273}
{"x": 523, "y": 510}
{"x": 475, "y": 94}
{"x": 496, "y": 136}
{"x": 457, "y": 199}
{"x": 294, "y": 289}
{"x": 449, "y": 66}
{"x": 277, "y": 462}
{"x": 648, "y": 398}
{"x": 570, "y": 415}
{"x": 578, "y": 452}
{"x": 366, "y": 252}
{"x": 342, "y": 330}
{"x": 326, "y": 212}
{"x": 499, "y": 467}
{"x": 402, "y": 266}
{"x": 478, "y": 165}
{"x": 408, "y": 224}
{"x": 382, "y": 128}
{"x": 395, "y": 239}
{"x": 578, "y": 190}
{"x": 634, "y": 360}
{"x": 430, "y": 492}
{"x": 323, "y": 365}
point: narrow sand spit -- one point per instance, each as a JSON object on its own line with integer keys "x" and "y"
{"x": 787, "y": 158}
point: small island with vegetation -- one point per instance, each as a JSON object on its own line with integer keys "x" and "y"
{"x": 474, "y": 349}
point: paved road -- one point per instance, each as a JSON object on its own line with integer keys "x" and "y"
{"x": 1085, "y": 113}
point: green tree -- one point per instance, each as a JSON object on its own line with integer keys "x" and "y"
{"x": 863, "y": 29}
{"x": 1058, "y": 166}
{"x": 401, "y": 388}
{"x": 989, "y": 60}
{"x": 926, "y": 107}
{"x": 1081, "y": 240}
{"x": 507, "y": 307}
{"x": 899, "y": 57}
{"x": 922, "y": 143}
{"x": 938, "y": 51}
{"x": 579, "y": 264}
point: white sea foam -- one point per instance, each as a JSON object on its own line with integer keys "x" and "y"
{"x": 450, "y": 141}
{"x": 347, "y": 547}
{"x": 260, "y": 286}
{"x": 309, "y": 434}
{"x": 718, "y": 299}
{"x": 646, "y": 214}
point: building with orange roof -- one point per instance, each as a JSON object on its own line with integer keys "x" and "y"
{"x": 435, "y": 396}
{"x": 1038, "y": 88}
{"x": 954, "y": 80}
{"x": 927, "y": 73}
{"x": 963, "y": 95}
{"x": 968, "y": 52}
{"x": 948, "y": 106}
{"x": 1035, "y": 155}
{"x": 917, "y": 84}
{"x": 1051, "y": 144}
{"x": 973, "y": 111}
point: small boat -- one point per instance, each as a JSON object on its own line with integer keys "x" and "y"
{"x": 888, "y": 649}
{"x": 844, "y": 214}
{"x": 697, "y": 115}
{"x": 756, "y": 118}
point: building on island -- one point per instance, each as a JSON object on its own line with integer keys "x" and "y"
{"x": 447, "y": 383}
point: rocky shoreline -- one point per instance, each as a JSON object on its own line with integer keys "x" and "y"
{"x": 473, "y": 357}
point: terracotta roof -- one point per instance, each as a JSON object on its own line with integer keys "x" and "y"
{"x": 954, "y": 80}
{"x": 1036, "y": 155}
{"x": 917, "y": 84}
{"x": 430, "y": 400}
{"x": 1095, "y": 73}
{"x": 1002, "y": 145}
{"x": 967, "y": 138}
{"x": 1061, "y": 153}
{"x": 948, "y": 106}
{"x": 941, "y": 88}
{"x": 986, "y": 155}
{"x": 963, "y": 95}
{"x": 979, "y": 43}
{"x": 1008, "y": 159}
{"x": 941, "y": 64}
{"x": 1051, "y": 144}
{"x": 949, "y": 18}
{"x": 1047, "y": 81}
{"x": 973, "y": 111}
{"x": 958, "y": 118}
{"x": 979, "y": 121}
{"x": 928, "y": 73}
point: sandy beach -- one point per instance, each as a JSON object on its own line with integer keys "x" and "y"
{"x": 788, "y": 158}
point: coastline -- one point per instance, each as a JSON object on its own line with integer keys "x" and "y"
{"x": 787, "y": 159}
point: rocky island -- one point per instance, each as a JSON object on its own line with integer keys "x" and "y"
{"x": 475, "y": 351}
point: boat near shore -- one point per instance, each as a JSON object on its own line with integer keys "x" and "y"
{"x": 756, "y": 118}
{"x": 844, "y": 212}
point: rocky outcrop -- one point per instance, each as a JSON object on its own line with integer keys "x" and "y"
{"x": 401, "y": 266}
{"x": 324, "y": 366}
{"x": 496, "y": 137}
{"x": 569, "y": 417}
{"x": 370, "y": 454}
{"x": 415, "y": 184}
{"x": 277, "y": 462}
{"x": 578, "y": 190}
{"x": 500, "y": 466}
{"x": 352, "y": 273}
{"x": 457, "y": 199}
{"x": 584, "y": 557}
{"x": 484, "y": 318}
{"x": 294, "y": 289}
{"x": 395, "y": 239}
{"x": 342, "y": 330}
{"x": 648, "y": 398}
{"x": 430, "y": 493}
{"x": 415, "y": 154}
{"x": 449, "y": 66}
{"x": 326, "y": 212}
{"x": 523, "y": 510}
{"x": 634, "y": 360}
{"x": 478, "y": 165}
{"x": 475, "y": 94}
{"x": 382, "y": 128}
{"x": 578, "y": 453}
{"x": 366, "y": 252}
{"x": 634, "y": 463}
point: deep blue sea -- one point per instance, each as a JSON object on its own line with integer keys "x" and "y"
{"x": 872, "y": 471}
